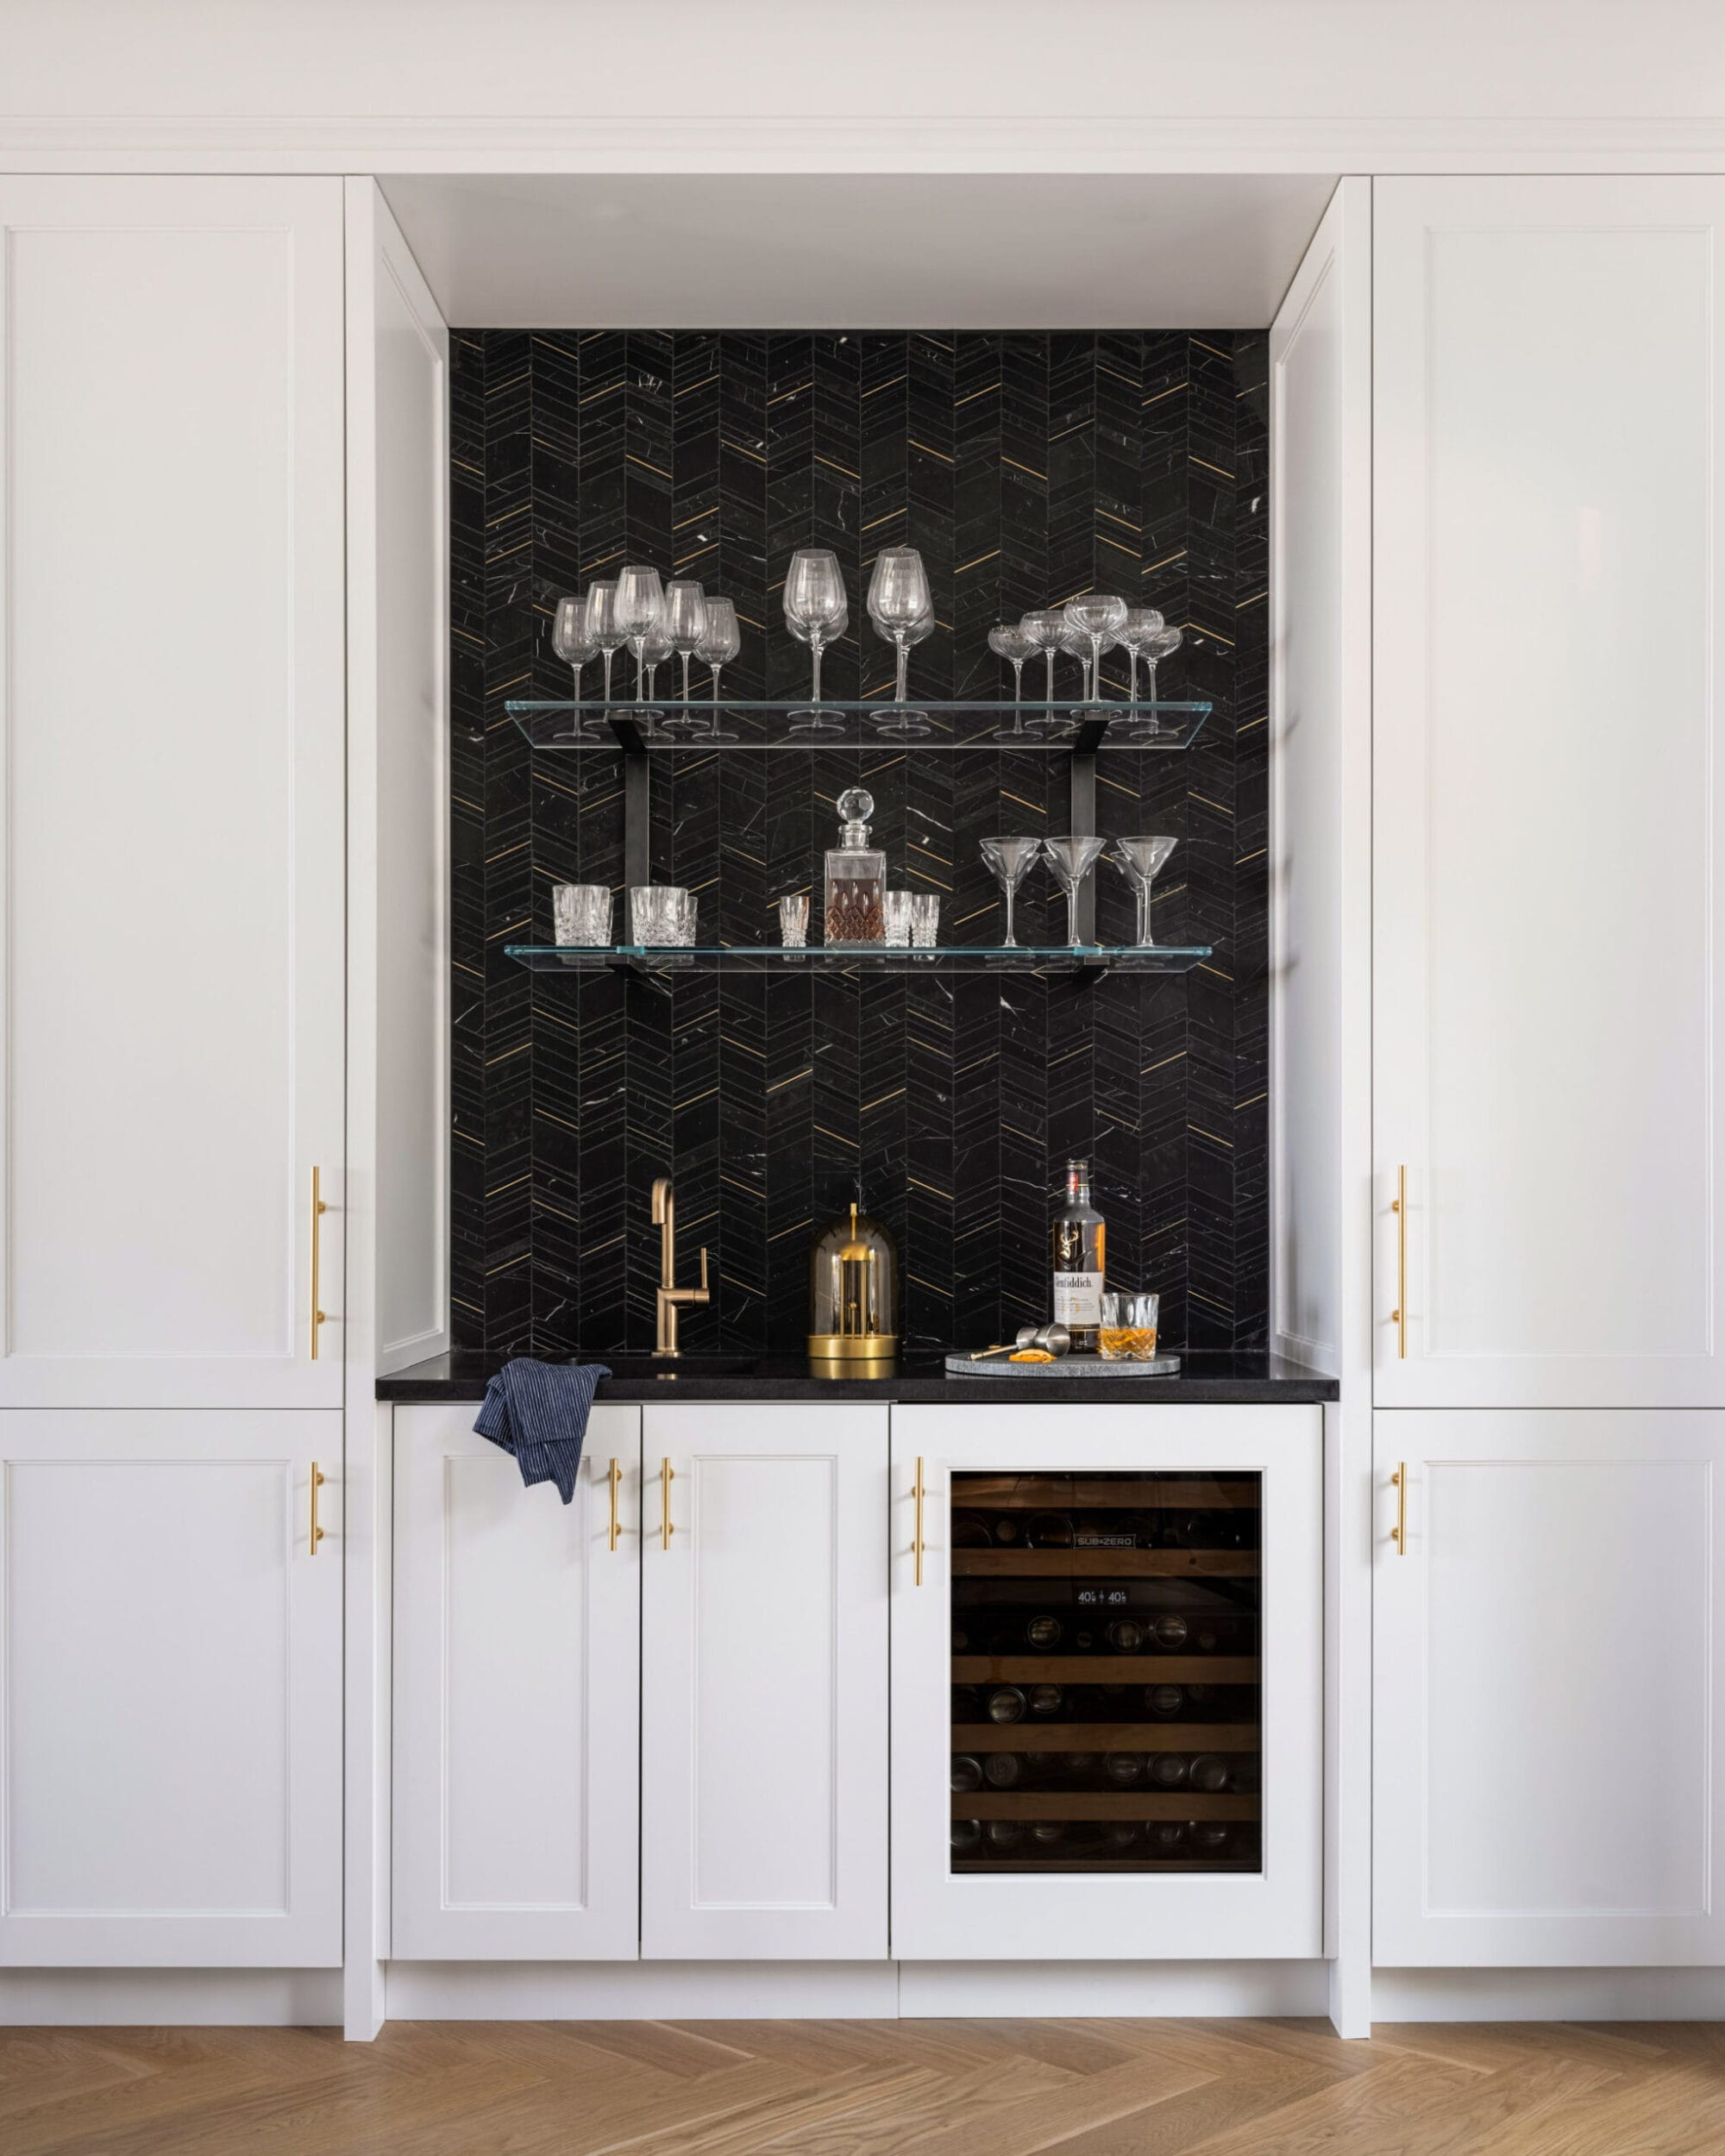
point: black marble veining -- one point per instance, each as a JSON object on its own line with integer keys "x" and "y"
{"x": 1203, "y": 1379}
{"x": 1026, "y": 467}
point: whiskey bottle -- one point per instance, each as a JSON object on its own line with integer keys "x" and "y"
{"x": 1080, "y": 1248}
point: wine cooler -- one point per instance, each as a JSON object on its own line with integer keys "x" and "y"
{"x": 1125, "y": 1700}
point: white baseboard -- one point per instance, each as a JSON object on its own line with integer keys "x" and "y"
{"x": 642, "y": 1990}
{"x": 1548, "y": 1995}
{"x": 170, "y": 1998}
{"x": 1183, "y": 1988}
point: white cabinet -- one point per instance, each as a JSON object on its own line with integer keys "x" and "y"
{"x": 517, "y": 1695}
{"x": 171, "y": 1785}
{"x": 764, "y": 1741}
{"x": 1549, "y": 567}
{"x": 1246, "y": 1593}
{"x": 170, "y": 715}
{"x": 1549, "y": 1785}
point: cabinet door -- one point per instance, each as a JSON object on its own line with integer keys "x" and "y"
{"x": 517, "y": 1696}
{"x": 764, "y": 1741}
{"x": 1547, "y": 1771}
{"x": 170, "y": 716}
{"x": 1549, "y": 599}
{"x": 1107, "y": 1685}
{"x": 171, "y": 1789}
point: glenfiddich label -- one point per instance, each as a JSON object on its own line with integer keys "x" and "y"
{"x": 1078, "y": 1299}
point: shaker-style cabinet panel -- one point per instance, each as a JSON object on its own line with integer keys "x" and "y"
{"x": 517, "y": 1695}
{"x": 171, "y": 686}
{"x": 763, "y": 1740}
{"x": 1106, "y": 1683}
{"x": 170, "y": 1689}
{"x": 1549, "y": 1770}
{"x": 1549, "y": 889}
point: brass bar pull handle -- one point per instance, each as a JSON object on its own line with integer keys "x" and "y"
{"x": 1398, "y": 1533}
{"x": 316, "y": 1484}
{"x": 613, "y": 1478}
{"x": 318, "y": 1209}
{"x": 1398, "y": 1316}
{"x": 916, "y": 1543}
{"x": 667, "y": 1474}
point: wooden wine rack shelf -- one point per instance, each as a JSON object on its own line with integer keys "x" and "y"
{"x": 1100, "y": 1804}
{"x": 1105, "y": 1668}
{"x": 1145, "y": 1736}
{"x": 1105, "y": 1565}
{"x": 1057, "y": 1493}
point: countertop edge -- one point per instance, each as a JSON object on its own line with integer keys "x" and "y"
{"x": 409, "y": 1388}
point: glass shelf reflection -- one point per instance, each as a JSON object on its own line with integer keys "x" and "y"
{"x": 1059, "y": 959}
{"x": 1046, "y": 729}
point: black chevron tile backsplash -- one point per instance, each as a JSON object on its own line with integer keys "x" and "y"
{"x": 1025, "y": 467}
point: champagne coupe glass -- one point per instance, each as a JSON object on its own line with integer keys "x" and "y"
{"x": 1045, "y": 627}
{"x": 574, "y": 645}
{"x": 1008, "y": 641}
{"x": 721, "y": 641}
{"x": 1139, "y": 629}
{"x": 684, "y": 621}
{"x": 899, "y": 600}
{"x": 602, "y": 626}
{"x": 1160, "y": 646}
{"x": 904, "y": 719}
{"x": 1096, "y": 616}
{"x": 1072, "y": 859}
{"x": 815, "y": 601}
{"x": 1140, "y": 861}
{"x": 640, "y": 608}
{"x": 1010, "y": 860}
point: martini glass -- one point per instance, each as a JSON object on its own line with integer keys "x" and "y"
{"x": 1010, "y": 859}
{"x": 1160, "y": 647}
{"x": 574, "y": 646}
{"x": 1072, "y": 859}
{"x": 1140, "y": 861}
{"x": 1045, "y": 627}
{"x": 1008, "y": 641}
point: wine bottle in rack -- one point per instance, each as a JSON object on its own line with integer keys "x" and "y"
{"x": 1048, "y": 1530}
{"x": 1003, "y": 1836}
{"x": 1168, "y": 1770}
{"x": 1079, "y": 1768}
{"x": 1042, "y": 1633}
{"x": 1047, "y": 1702}
{"x": 1209, "y": 1837}
{"x": 1007, "y": 1771}
{"x": 967, "y": 1771}
{"x": 1164, "y": 1701}
{"x": 1047, "y": 1833}
{"x": 1166, "y": 1837}
{"x": 967, "y": 1837}
{"x": 1169, "y": 1632}
{"x": 1008, "y": 1531}
{"x": 1007, "y": 1703}
{"x": 967, "y": 1703}
{"x": 1126, "y": 1636}
{"x": 970, "y": 1530}
{"x": 1207, "y": 1772}
{"x": 1121, "y": 1837}
{"x": 1123, "y": 1770}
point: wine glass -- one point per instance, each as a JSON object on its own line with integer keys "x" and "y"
{"x": 1142, "y": 625}
{"x": 815, "y": 601}
{"x": 640, "y": 608}
{"x": 1008, "y": 641}
{"x": 685, "y": 620}
{"x": 1096, "y": 616}
{"x": 1140, "y": 861}
{"x": 1072, "y": 859}
{"x": 1010, "y": 859}
{"x": 904, "y": 719}
{"x": 899, "y": 600}
{"x": 602, "y": 626}
{"x": 573, "y": 644}
{"x": 1045, "y": 627}
{"x": 655, "y": 649}
{"x": 1160, "y": 646}
{"x": 721, "y": 641}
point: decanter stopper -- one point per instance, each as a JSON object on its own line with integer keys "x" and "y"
{"x": 855, "y": 806}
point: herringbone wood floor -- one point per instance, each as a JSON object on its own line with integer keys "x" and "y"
{"x": 867, "y": 2089}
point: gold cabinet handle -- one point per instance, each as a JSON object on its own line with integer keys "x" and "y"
{"x": 318, "y": 1209}
{"x": 1398, "y": 1316}
{"x": 316, "y": 1484}
{"x": 916, "y": 1544}
{"x": 613, "y": 1478}
{"x": 1398, "y": 1533}
{"x": 667, "y": 1474}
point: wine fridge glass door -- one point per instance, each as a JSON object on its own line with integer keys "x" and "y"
{"x": 1106, "y": 1704}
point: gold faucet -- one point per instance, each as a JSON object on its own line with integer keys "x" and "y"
{"x": 669, "y": 1295}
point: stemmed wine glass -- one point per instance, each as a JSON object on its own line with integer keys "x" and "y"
{"x": 602, "y": 626}
{"x": 1140, "y": 861}
{"x": 904, "y": 718}
{"x": 640, "y": 608}
{"x": 655, "y": 650}
{"x": 815, "y": 602}
{"x": 684, "y": 622}
{"x": 899, "y": 601}
{"x": 1142, "y": 625}
{"x": 1045, "y": 627}
{"x": 1072, "y": 859}
{"x": 1010, "y": 859}
{"x": 574, "y": 646}
{"x": 1008, "y": 641}
{"x": 1160, "y": 646}
{"x": 1096, "y": 616}
{"x": 721, "y": 641}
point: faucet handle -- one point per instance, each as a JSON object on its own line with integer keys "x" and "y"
{"x": 703, "y": 1285}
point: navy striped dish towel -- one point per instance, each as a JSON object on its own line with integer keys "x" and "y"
{"x": 538, "y": 1411}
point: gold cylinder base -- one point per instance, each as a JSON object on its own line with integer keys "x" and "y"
{"x": 852, "y": 1354}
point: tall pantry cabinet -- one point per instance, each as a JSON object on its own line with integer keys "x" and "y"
{"x": 173, "y": 950}
{"x": 1549, "y": 1357}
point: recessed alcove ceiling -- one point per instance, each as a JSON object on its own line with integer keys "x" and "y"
{"x": 861, "y": 251}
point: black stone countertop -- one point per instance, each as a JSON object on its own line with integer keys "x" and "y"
{"x": 1213, "y": 1380}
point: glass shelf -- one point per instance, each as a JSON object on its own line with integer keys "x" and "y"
{"x": 1086, "y": 961}
{"x": 1048, "y": 728}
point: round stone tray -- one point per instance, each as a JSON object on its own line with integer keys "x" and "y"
{"x": 1062, "y": 1366}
